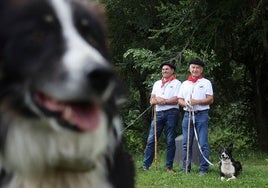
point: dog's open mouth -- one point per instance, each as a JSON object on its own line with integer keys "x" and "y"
{"x": 79, "y": 116}
{"x": 224, "y": 157}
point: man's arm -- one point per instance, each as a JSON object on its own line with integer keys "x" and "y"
{"x": 206, "y": 101}
{"x": 162, "y": 101}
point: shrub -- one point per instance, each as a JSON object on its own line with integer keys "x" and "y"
{"x": 229, "y": 125}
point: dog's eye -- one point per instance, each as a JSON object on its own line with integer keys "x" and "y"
{"x": 84, "y": 22}
{"x": 47, "y": 24}
{"x": 87, "y": 32}
{"x": 48, "y": 18}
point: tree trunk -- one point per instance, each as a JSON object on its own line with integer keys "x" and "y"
{"x": 261, "y": 92}
{"x": 262, "y": 104}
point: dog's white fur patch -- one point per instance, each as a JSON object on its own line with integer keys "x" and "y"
{"x": 32, "y": 146}
{"x": 227, "y": 168}
{"x": 78, "y": 50}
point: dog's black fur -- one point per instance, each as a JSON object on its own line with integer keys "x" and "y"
{"x": 229, "y": 168}
{"x": 59, "y": 125}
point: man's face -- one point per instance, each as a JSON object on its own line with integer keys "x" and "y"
{"x": 195, "y": 70}
{"x": 167, "y": 71}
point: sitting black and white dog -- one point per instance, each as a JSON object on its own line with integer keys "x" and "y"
{"x": 59, "y": 125}
{"x": 229, "y": 168}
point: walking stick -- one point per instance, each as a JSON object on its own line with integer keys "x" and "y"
{"x": 155, "y": 138}
{"x": 188, "y": 141}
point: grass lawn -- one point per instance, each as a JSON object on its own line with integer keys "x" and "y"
{"x": 254, "y": 174}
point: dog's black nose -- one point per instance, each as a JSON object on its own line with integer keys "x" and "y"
{"x": 100, "y": 78}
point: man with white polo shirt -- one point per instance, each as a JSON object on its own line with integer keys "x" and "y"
{"x": 164, "y": 97}
{"x": 195, "y": 96}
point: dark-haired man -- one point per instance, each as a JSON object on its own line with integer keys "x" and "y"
{"x": 164, "y": 97}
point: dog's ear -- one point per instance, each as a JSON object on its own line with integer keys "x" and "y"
{"x": 220, "y": 149}
{"x": 230, "y": 148}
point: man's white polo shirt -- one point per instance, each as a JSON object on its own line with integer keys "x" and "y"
{"x": 169, "y": 90}
{"x": 197, "y": 90}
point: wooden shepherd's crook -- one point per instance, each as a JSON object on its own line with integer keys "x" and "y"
{"x": 188, "y": 142}
{"x": 155, "y": 138}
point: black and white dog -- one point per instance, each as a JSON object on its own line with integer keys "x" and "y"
{"x": 59, "y": 125}
{"x": 229, "y": 168}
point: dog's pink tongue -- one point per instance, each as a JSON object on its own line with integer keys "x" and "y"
{"x": 85, "y": 118}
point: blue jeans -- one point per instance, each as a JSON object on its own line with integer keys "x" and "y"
{"x": 201, "y": 124}
{"x": 165, "y": 120}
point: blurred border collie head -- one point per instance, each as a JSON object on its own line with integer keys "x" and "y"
{"x": 58, "y": 111}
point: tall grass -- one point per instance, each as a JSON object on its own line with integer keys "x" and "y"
{"x": 254, "y": 174}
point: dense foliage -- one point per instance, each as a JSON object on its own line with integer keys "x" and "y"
{"x": 229, "y": 35}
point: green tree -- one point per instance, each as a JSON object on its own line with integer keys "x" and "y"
{"x": 229, "y": 35}
{"x": 238, "y": 34}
